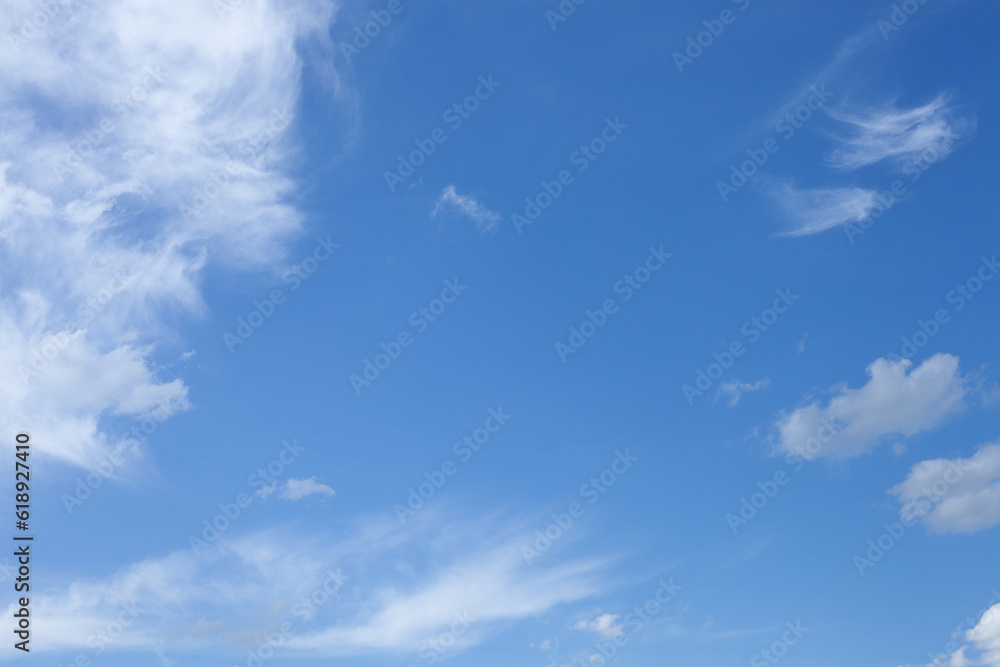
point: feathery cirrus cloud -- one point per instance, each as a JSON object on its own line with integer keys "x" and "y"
{"x": 142, "y": 141}
{"x": 910, "y": 139}
{"x": 890, "y": 133}
{"x": 397, "y": 588}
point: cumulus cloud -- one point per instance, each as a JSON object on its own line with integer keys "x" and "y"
{"x": 928, "y": 131}
{"x": 954, "y": 495}
{"x": 896, "y": 401}
{"x": 451, "y": 201}
{"x": 605, "y": 625}
{"x": 983, "y": 639}
{"x": 735, "y": 389}
{"x": 141, "y": 141}
{"x": 811, "y": 211}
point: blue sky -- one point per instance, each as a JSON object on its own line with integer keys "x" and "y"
{"x": 498, "y": 338}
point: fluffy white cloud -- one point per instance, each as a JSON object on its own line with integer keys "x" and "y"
{"x": 928, "y": 131}
{"x": 468, "y": 205}
{"x": 892, "y": 402}
{"x": 141, "y": 141}
{"x": 954, "y": 495}
{"x": 984, "y": 639}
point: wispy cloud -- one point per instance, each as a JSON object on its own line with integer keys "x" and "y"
{"x": 404, "y": 586}
{"x": 168, "y": 155}
{"x": 897, "y": 134}
{"x": 815, "y": 210}
{"x": 451, "y": 201}
{"x": 896, "y": 400}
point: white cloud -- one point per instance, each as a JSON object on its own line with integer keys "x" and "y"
{"x": 404, "y": 586}
{"x": 297, "y": 489}
{"x": 141, "y": 141}
{"x": 901, "y": 135}
{"x": 892, "y": 402}
{"x": 815, "y": 210}
{"x": 984, "y": 638}
{"x": 549, "y": 644}
{"x": 913, "y": 139}
{"x": 452, "y": 202}
{"x": 605, "y": 625}
{"x": 954, "y": 495}
{"x": 734, "y": 389}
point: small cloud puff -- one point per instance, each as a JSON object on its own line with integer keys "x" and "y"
{"x": 297, "y": 489}
{"x": 451, "y": 201}
{"x": 734, "y": 389}
{"x": 605, "y": 625}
